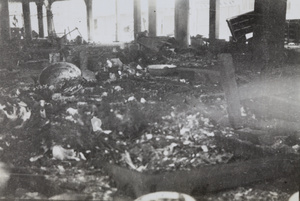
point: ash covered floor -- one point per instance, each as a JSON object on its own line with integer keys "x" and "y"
{"x": 149, "y": 123}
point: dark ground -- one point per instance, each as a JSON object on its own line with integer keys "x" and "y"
{"x": 157, "y": 124}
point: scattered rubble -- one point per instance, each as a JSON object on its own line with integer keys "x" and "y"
{"x": 128, "y": 116}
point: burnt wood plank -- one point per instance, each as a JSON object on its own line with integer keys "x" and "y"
{"x": 204, "y": 179}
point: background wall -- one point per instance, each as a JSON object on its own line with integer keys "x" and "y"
{"x": 71, "y": 14}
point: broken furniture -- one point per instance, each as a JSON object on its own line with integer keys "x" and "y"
{"x": 242, "y": 25}
{"x": 292, "y": 33}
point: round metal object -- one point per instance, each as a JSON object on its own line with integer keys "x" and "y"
{"x": 58, "y": 72}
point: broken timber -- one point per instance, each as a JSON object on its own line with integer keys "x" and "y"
{"x": 230, "y": 88}
{"x": 204, "y": 179}
{"x": 248, "y": 145}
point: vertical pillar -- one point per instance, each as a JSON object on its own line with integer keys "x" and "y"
{"x": 137, "y": 17}
{"x": 4, "y": 22}
{"x": 182, "y": 22}
{"x": 27, "y": 20}
{"x": 50, "y": 24}
{"x": 39, "y": 6}
{"x": 269, "y": 32}
{"x": 90, "y": 19}
{"x": 214, "y": 13}
{"x": 117, "y": 22}
{"x": 152, "y": 17}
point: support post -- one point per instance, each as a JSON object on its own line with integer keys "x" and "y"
{"x": 214, "y": 13}
{"x": 117, "y": 22}
{"x": 50, "y": 24}
{"x": 4, "y": 22}
{"x": 182, "y": 22}
{"x": 137, "y": 18}
{"x": 90, "y": 19}
{"x": 39, "y": 6}
{"x": 230, "y": 88}
{"x": 269, "y": 32}
{"x": 27, "y": 20}
{"x": 152, "y": 17}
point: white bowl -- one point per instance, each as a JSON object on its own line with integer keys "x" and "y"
{"x": 165, "y": 195}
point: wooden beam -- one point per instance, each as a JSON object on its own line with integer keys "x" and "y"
{"x": 4, "y": 22}
{"x": 246, "y": 147}
{"x": 137, "y": 17}
{"x": 152, "y": 17}
{"x": 231, "y": 91}
{"x": 206, "y": 179}
{"x": 27, "y": 20}
{"x": 182, "y": 36}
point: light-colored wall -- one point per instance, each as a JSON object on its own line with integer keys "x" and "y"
{"x": 68, "y": 15}
{"x": 293, "y": 7}
{"x": 71, "y": 14}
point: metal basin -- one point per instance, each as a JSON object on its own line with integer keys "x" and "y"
{"x": 58, "y": 72}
